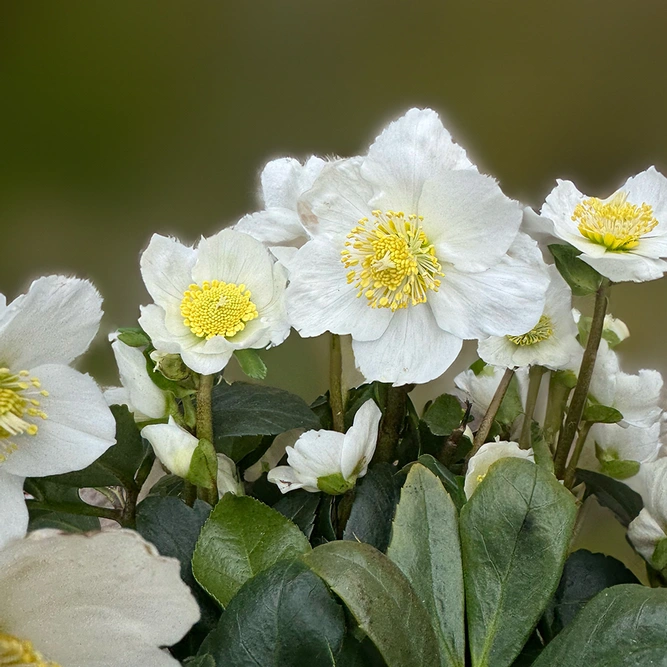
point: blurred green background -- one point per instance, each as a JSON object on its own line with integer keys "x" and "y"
{"x": 120, "y": 119}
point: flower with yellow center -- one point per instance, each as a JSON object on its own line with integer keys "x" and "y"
{"x": 103, "y": 599}
{"x": 411, "y": 251}
{"x": 624, "y": 237}
{"x": 53, "y": 419}
{"x": 224, "y": 295}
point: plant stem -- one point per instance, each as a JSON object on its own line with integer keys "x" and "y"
{"x": 578, "y": 402}
{"x": 494, "y": 406}
{"x": 204, "y": 413}
{"x": 559, "y": 392}
{"x": 336, "y": 398}
{"x": 534, "y": 381}
{"x": 574, "y": 459}
{"x": 392, "y": 421}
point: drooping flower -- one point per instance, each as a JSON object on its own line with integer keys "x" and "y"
{"x": 412, "y": 250}
{"x": 227, "y": 294}
{"x": 329, "y": 461}
{"x": 486, "y": 456}
{"x": 614, "y": 330}
{"x": 174, "y": 446}
{"x": 551, "y": 343}
{"x": 103, "y": 599}
{"x": 53, "y": 419}
{"x": 624, "y": 237}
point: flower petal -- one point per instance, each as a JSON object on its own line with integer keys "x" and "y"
{"x": 173, "y": 445}
{"x": 287, "y": 479}
{"x": 285, "y": 179}
{"x": 360, "y": 441}
{"x": 275, "y": 226}
{"x": 622, "y": 267}
{"x": 13, "y": 510}
{"x": 649, "y": 187}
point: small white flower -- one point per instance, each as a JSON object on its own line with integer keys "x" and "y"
{"x": 412, "y": 251}
{"x": 174, "y": 446}
{"x": 53, "y": 419}
{"x": 486, "y": 456}
{"x": 227, "y": 294}
{"x": 624, "y": 236}
{"x": 103, "y": 599}
{"x": 141, "y": 395}
{"x": 614, "y": 330}
{"x": 650, "y": 526}
{"x": 329, "y": 461}
{"x": 551, "y": 343}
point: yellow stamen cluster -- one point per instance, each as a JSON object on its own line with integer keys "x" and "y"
{"x": 391, "y": 261}
{"x": 614, "y": 223}
{"x": 217, "y": 309}
{"x": 16, "y": 652}
{"x": 19, "y": 407}
{"x": 543, "y": 330}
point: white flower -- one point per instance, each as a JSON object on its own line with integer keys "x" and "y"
{"x": 279, "y": 225}
{"x": 141, "y": 395}
{"x": 412, "y": 251}
{"x": 225, "y": 295}
{"x": 624, "y": 236}
{"x": 486, "y": 456}
{"x": 614, "y": 330}
{"x": 650, "y": 526}
{"x": 174, "y": 446}
{"x": 53, "y": 419}
{"x": 104, "y": 599}
{"x": 552, "y": 342}
{"x": 329, "y": 461}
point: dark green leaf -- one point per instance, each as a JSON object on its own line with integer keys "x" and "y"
{"x": 444, "y": 415}
{"x": 169, "y": 485}
{"x": 515, "y": 532}
{"x": 618, "y": 497}
{"x": 239, "y": 447}
{"x": 659, "y": 558}
{"x": 251, "y": 363}
{"x": 356, "y": 398}
{"x": 200, "y": 661}
{"x": 452, "y": 483}
{"x": 57, "y": 496}
{"x": 582, "y": 278}
{"x": 381, "y": 600}
{"x": 623, "y": 626}
{"x": 241, "y": 538}
{"x": 283, "y": 617}
{"x": 322, "y": 410}
{"x": 375, "y": 500}
{"x": 477, "y": 366}
{"x": 300, "y": 507}
{"x": 425, "y": 546}
{"x": 71, "y": 523}
{"x": 601, "y": 414}
{"x": 324, "y": 526}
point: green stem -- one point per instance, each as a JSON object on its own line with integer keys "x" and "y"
{"x": 189, "y": 493}
{"x": 494, "y": 406}
{"x": 76, "y": 508}
{"x": 578, "y": 402}
{"x": 559, "y": 392}
{"x": 204, "y": 412}
{"x": 534, "y": 381}
{"x": 391, "y": 424}
{"x": 574, "y": 459}
{"x": 336, "y": 399}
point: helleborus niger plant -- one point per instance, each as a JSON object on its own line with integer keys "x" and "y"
{"x": 182, "y": 518}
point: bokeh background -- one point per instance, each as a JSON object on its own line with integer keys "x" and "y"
{"x": 120, "y": 119}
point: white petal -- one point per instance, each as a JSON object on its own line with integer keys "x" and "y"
{"x": 97, "y": 600}
{"x": 316, "y": 454}
{"x": 623, "y": 267}
{"x": 78, "y": 430}
{"x": 360, "y": 441}
{"x": 486, "y": 456}
{"x": 166, "y": 267}
{"x": 285, "y": 179}
{"x": 275, "y": 226}
{"x": 638, "y": 397}
{"x": 152, "y": 321}
{"x": 173, "y": 445}
{"x": 117, "y": 396}
{"x": 13, "y": 510}
{"x": 413, "y": 349}
{"x": 287, "y": 479}
{"x": 507, "y": 299}
{"x": 627, "y": 444}
{"x": 273, "y": 454}
{"x": 320, "y": 299}
{"x": 649, "y": 187}
{"x": 228, "y": 481}
{"x": 468, "y": 218}
{"x": 539, "y": 228}
{"x": 407, "y": 153}
{"x": 144, "y": 395}
{"x": 645, "y": 532}
{"x": 53, "y": 323}
{"x": 274, "y": 313}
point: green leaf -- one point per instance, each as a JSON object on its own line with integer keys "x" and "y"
{"x": 133, "y": 337}
{"x": 249, "y": 409}
{"x": 585, "y": 574}
{"x": 620, "y": 469}
{"x": 659, "y": 558}
{"x": 444, "y": 415}
{"x": 618, "y": 497}
{"x": 169, "y": 485}
{"x": 375, "y": 500}
{"x": 241, "y": 538}
{"x": 300, "y": 507}
{"x": 515, "y": 531}
{"x": 251, "y": 363}
{"x": 425, "y": 545}
{"x": 452, "y": 483}
{"x": 477, "y": 366}
{"x": 203, "y": 470}
{"x": 582, "y": 278}
{"x": 356, "y": 398}
{"x": 283, "y": 617}
{"x": 601, "y": 414}
{"x": 200, "y": 661}
{"x": 49, "y": 493}
{"x": 623, "y": 626}
{"x": 511, "y": 406}
{"x": 381, "y": 600}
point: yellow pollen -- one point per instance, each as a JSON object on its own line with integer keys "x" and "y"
{"x": 543, "y": 330}
{"x": 614, "y": 223}
{"x": 480, "y": 477}
{"x": 391, "y": 261}
{"x": 18, "y": 408}
{"x": 217, "y": 309}
{"x": 16, "y": 652}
